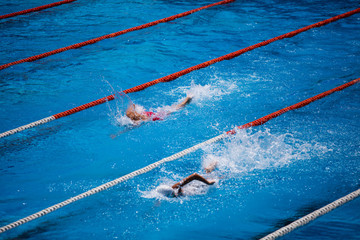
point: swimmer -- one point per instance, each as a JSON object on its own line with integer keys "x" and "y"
{"x": 176, "y": 189}
{"x": 138, "y": 117}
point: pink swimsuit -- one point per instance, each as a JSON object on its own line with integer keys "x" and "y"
{"x": 152, "y": 116}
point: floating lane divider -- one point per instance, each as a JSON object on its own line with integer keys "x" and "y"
{"x": 36, "y": 9}
{"x": 312, "y": 216}
{"x": 176, "y": 75}
{"x": 172, "y": 157}
{"x": 301, "y": 104}
{"x": 111, "y": 35}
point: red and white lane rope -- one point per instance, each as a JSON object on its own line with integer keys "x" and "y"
{"x": 171, "y": 158}
{"x": 176, "y": 75}
{"x": 312, "y": 216}
{"x": 35, "y": 9}
{"x": 111, "y": 35}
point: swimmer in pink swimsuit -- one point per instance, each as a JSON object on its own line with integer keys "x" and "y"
{"x": 151, "y": 116}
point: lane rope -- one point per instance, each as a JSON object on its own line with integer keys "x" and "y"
{"x": 111, "y": 35}
{"x": 36, "y": 9}
{"x": 312, "y": 216}
{"x": 301, "y": 104}
{"x": 27, "y": 126}
{"x": 176, "y": 75}
{"x": 171, "y": 158}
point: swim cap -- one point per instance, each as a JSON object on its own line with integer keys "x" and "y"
{"x": 165, "y": 190}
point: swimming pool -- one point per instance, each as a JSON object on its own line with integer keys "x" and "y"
{"x": 267, "y": 176}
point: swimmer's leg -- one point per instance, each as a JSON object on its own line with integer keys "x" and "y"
{"x": 113, "y": 136}
{"x": 127, "y": 129}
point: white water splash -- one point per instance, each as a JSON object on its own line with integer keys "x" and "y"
{"x": 165, "y": 192}
{"x": 242, "y": 153}
{"x": 118, "y": 107}
{"x": 118, "y": 114}
{"x": 249, "y": 150}
{"x": 203, "y": 94}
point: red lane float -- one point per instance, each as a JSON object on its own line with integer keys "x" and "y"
{"x": 36, "y": 9}
{"x": 229, "y": 56}
{"x": 301, "y": 104}
{"x": 154, "y": 165}
{"x": 111, "y": 35}
{"x": 177, "y": 74}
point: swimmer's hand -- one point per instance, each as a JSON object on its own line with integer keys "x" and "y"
{"x": 190, "y": 96}
{"x": 211, "y": 167}
{"x": 211, "y": 182}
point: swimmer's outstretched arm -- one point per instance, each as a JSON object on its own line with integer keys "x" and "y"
{"x": 191, "y": 178}
{"x": 187, "y": 100}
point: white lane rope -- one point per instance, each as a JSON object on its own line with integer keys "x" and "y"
{"x": 111, "y": 183}
{"x": 27, "y": 126}
{"x": 312, "y": 216}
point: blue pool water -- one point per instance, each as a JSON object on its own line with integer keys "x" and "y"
{"x": 266, "y": 177}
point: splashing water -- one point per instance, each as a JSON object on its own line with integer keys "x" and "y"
{"x": 201, "y": 94}
{"x": 118, "y": 114}
{"x": 118, "y": 108}
{"x": 165, "y": 192}
{"x": 249, "y": 150}
{"x": 117, "y": 111}
{"x": 204, "y": 93}
{"x": 242, "y": 153}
